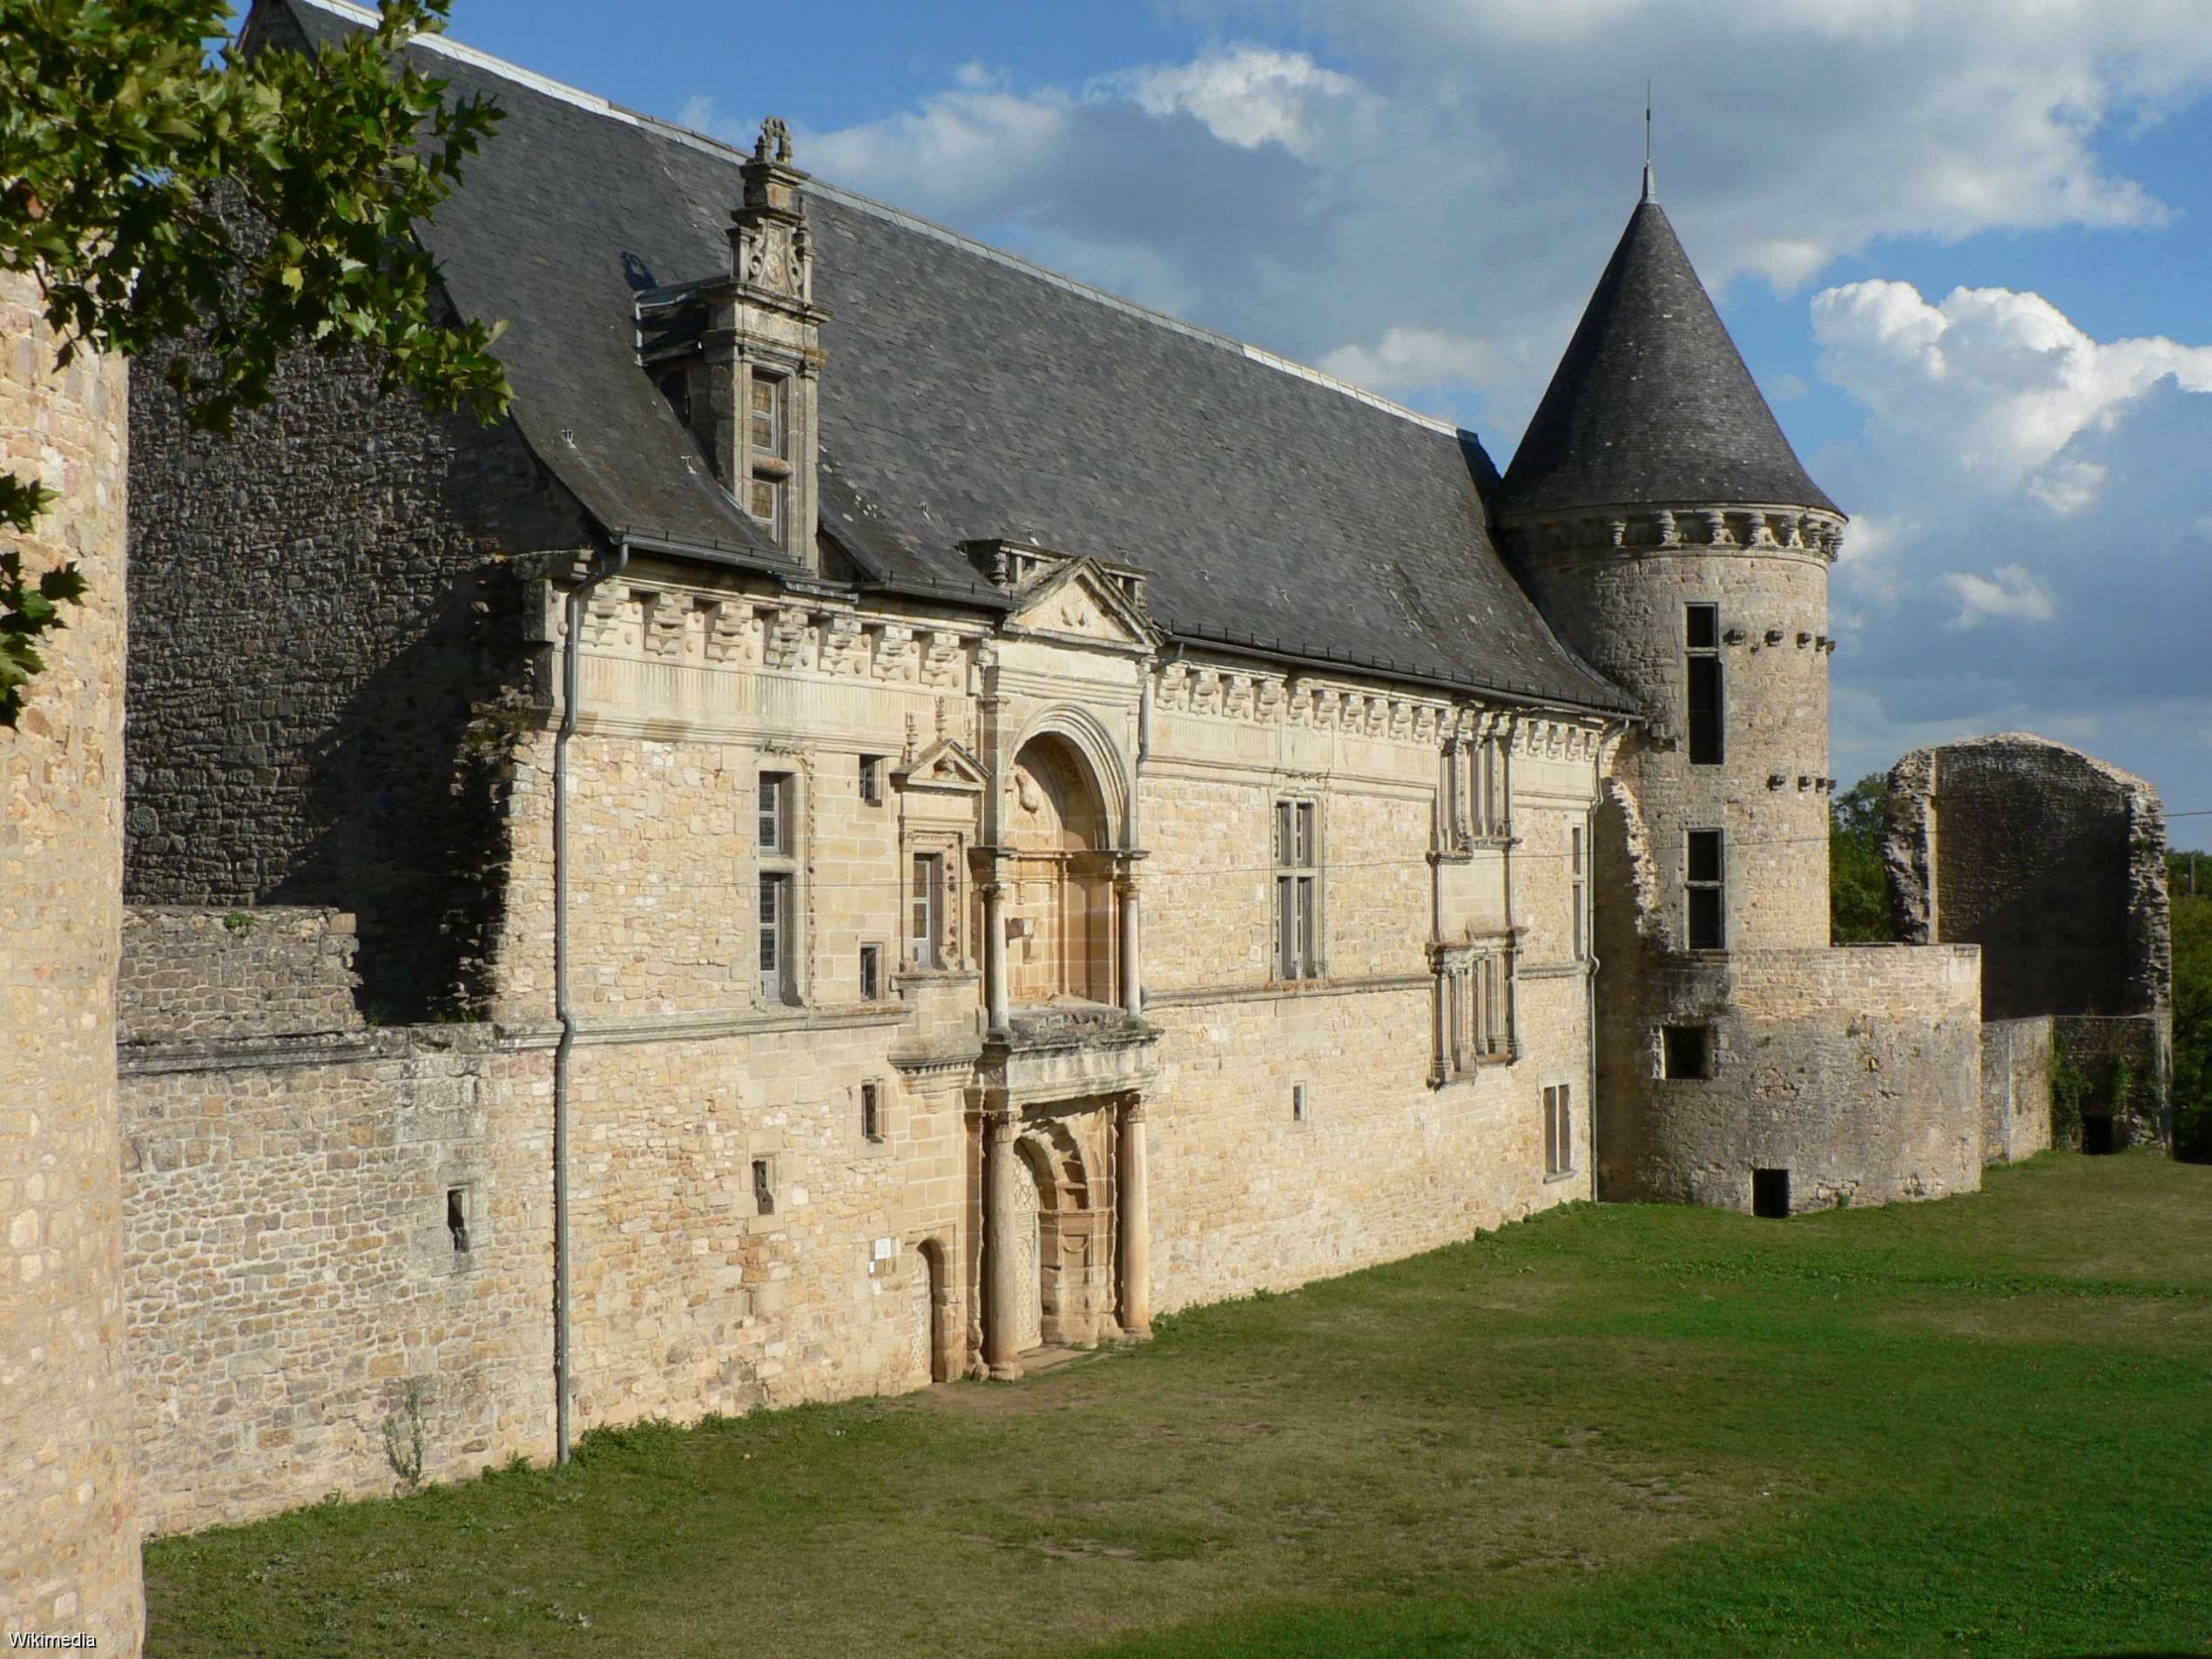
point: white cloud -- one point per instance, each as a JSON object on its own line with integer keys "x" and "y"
{"x": 1988, "y": 385}
{"x": 2030, "y": 545}
{"x": 2007, "y": 592}
{"x": 1249, "y": 96}
{"x": 1410, "y": 358}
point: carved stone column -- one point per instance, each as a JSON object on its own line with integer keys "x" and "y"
{"x": 1136, "y": 1227}
{"x": 1002, "y": 1262}
{"x": 995, "y": 992}
{"x": 1132, "y": 970}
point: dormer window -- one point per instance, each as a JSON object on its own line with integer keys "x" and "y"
{"x": 767, "y": 411}
{"x": 767, "y": 428}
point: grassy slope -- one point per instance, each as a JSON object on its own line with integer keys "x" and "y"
{"x": 1980, "y": 1425}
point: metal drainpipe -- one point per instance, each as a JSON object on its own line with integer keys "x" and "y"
{"x": 570, "y": 677}
{"x": 1612, "y": 729}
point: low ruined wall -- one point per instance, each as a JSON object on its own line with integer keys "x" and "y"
{"x": 203, "y": 972}
{"x": 2015, "y": 1089}
{"x": 1857, "y": 1071}
{"x": 2123, "y": 1066}
{"x": 2051, "y": 860}
{"x": 288, "y": 1270}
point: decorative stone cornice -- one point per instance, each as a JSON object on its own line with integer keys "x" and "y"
{"x": 1675, "y": 526}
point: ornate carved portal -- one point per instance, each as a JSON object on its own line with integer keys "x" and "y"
{"x": 1060, "y": 904}
{"x": 1053, "y": 1214}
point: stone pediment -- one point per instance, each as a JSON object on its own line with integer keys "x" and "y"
{"x": 943, "y": 765}
{"x": 1078, "y": 600}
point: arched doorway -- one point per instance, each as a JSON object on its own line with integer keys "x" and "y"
{"x": 925, "y": 1335}
{"x": 1060, "y": 933}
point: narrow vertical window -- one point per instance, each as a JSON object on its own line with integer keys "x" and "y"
{"x": 775, "y": 811}
{"x": 775, "y": 939}
{"x": 1454, "y": 825}
{"x": 925, "y": 901}
{"x": 766, "y": 439}
{"x": 1577, "y": 891}
{"x": 871, "y": 972}
{"x": 1559, "y": 1131}
{"x": 1298, "y": 862}
{"x": 871, "y": 1112}
{"x": 871, "y": 780}
{"x": 457, "y": 1216}
{"x": 764, "y": 1188}
{"x": 1701, "y": 626}
{"x": 1708, "y": 891}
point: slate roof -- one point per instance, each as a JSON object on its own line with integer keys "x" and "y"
{"x": 1652, "y": 403}
{"x": 966, "y": 394}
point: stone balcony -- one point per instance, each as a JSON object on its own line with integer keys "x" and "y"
{"x": 1067, "y": 1049}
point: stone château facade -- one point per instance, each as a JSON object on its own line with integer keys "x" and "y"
{"x": 902, "y": 811}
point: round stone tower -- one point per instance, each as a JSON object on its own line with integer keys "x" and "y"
{"x": 1665, "y": 526}
{"x": 1667, "y": 530}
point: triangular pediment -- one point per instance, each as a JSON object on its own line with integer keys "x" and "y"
{"x": 1077, "y": 600}
{"x": 943, "y": 764}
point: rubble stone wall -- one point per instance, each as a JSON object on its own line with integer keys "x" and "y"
{"x": 2016, "y": 1058}
{"x": 1857, "y": 1071}
{"x": 69, "y": 1518}
{"x": 196, "y": 971}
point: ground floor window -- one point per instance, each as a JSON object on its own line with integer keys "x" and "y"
{"x": 1559, "y": 1131}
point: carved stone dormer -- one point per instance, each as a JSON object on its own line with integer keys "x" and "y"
{"x": 762, "y": 356}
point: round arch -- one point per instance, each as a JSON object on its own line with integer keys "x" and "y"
{"x": 1101, "y": 755}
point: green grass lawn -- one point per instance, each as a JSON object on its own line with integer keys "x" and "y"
{"x": 1983, "y": 1425}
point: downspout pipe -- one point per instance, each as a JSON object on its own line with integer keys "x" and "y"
{"x": 572, "y": 677}
{"x": 1614, "y": 729}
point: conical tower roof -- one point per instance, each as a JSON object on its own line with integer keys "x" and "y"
{"x": 1652, "y": 403}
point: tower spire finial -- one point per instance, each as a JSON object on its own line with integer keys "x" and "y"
{"x": 1647, "y": 140}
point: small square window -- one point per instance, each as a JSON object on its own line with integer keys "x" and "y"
{"x": 1701, "y": 626}
{"x": 871, "y": 1112}
{"x": 1686, "y": 1050}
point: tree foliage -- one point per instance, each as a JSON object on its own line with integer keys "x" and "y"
{"x": 2192, "y": 1077}
{"x": 1858, "y": 891}
{"x": 118, "y": 127}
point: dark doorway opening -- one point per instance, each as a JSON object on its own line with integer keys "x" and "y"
{"x": 2097, "y": 1134}
{"x": 1771, "y": 1192}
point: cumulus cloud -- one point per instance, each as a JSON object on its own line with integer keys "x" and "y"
{"x": 1251, "y": 95}
{"x": 1333, "y": 179}
{"x": 2009, "y": 591}
{"x": 2032, "y": 547}
{"x": 1988, "y": 385}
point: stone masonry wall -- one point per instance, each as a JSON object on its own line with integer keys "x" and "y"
{"x": 323, "y": 618}
{"x": 2126, "y": 1063}
{"x": 290, "y": 1269}
{"x": 2015, "y": 1089}
{"x": 1626, "y": 612}
{"x": 190, "y": 972}
{"x": 68, "y": 1542}
{"x": 2050, "y": 860}
{"x": 1857, "y": 1071}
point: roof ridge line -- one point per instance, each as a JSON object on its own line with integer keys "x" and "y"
{"x": 592, "y": 103}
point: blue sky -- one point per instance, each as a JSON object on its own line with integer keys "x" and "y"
{"x": 1964, "y": 244}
